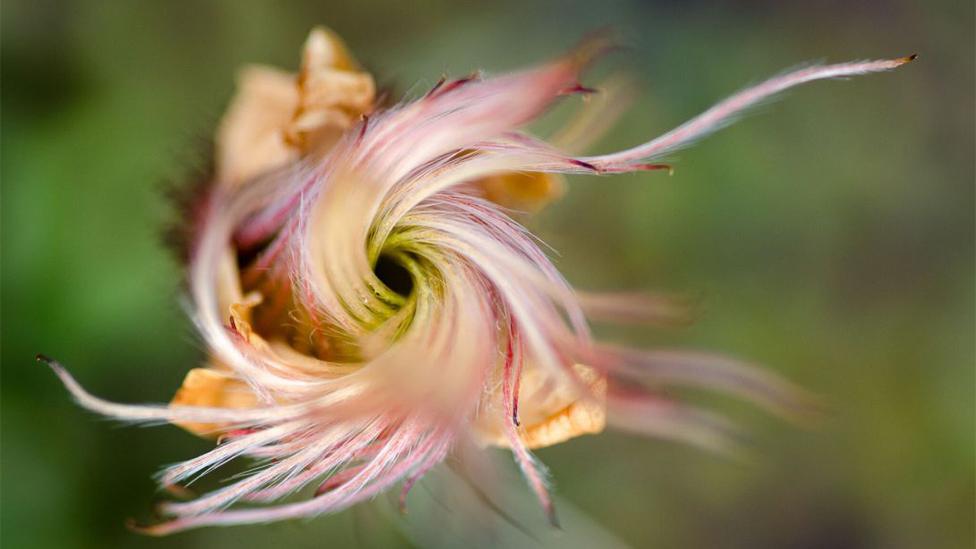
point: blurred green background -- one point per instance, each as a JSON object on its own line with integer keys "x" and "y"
{"x": 829, "y": 236}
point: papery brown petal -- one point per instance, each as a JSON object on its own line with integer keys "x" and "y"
{"x": 553, "y": 411}
{"x": 250, "y": 138}
{"x": 276, "y": 116}
{"x": 523, "y": 191}
{"x": 212, "y": 388}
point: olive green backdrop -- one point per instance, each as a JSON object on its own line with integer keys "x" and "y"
{"x": 828, "y": 236}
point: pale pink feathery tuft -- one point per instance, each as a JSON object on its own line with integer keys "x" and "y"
{"x": 330, "y": 378}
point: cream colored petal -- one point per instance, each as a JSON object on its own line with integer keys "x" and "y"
{"x": 324, "y": 48}
{"x": 333, "y": 93}
{"x": 250, "y": 139}
{"x": 276, "y": 117}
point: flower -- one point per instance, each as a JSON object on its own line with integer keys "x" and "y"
{"x": 370, "y": 301}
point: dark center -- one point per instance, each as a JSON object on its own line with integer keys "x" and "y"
{"x": 394, "y": 275}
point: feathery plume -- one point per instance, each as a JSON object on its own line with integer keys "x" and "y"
{"x": 369, "y": 304}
